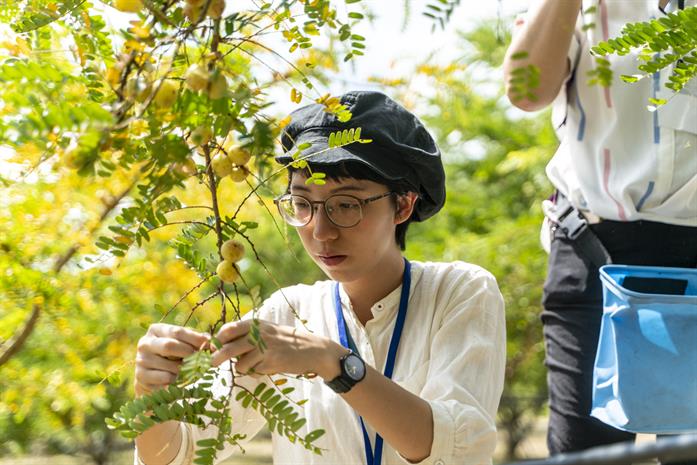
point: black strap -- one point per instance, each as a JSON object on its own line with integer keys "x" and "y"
{"x": 566, "y": 218}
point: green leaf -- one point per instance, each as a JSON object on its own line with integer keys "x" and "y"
{"x": 520, "y": 55}
{"x": 259, "y": 389}
{"x": 631, "y": 78}
{"x": 312, "y": 436}
{"x": 207, "y": 442}
{"x": 297, "y": 424}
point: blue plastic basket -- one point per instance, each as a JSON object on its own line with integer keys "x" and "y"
{"x": 645, "y": 376}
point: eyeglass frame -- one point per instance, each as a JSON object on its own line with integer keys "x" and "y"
{"x": 361, "y": 202}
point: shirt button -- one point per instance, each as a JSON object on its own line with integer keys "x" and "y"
{"x": 378, "y": 307}
{"x": 439, "y": 462}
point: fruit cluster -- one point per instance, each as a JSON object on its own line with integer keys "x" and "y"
{"x": 232, "y": 252}
{"x": 201, "y": 78}
{"x": 230, "y": 162}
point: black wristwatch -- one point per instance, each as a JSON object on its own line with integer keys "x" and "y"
{"x": 352, "y": 371}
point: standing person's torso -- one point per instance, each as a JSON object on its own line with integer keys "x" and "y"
{"x": 617, "y": 159}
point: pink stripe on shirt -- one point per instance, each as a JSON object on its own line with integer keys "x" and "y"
{"x": 606, "y": 36}
{"x": 606, "y": 184}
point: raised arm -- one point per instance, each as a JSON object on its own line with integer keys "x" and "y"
{"x": 545, "y": 36}
{"x": 403, "y": 419}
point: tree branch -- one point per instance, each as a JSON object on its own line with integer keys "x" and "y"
{"x": 15, "y": 343}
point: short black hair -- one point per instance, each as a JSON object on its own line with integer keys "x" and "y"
{"x": 357, "y": 170}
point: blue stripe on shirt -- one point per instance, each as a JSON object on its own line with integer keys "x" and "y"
{"x": 645, "y": 196}
{"x": 582, "y": 122}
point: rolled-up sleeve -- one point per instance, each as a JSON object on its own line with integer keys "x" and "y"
{"x": 466, "y": 373}
{"x": 185, "y": 448}
{"x": 245, "y": 421}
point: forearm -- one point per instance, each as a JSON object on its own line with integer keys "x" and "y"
{"x": 403, "y": 419}
{"x": 545, "y": 37}
{"x": 159, "y": 444}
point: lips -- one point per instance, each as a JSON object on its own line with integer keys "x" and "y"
{"x": 331, "y": 260}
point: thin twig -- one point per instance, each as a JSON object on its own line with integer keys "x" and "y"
{"x": 199, "y": 304}
{"x": 187, "y": 294}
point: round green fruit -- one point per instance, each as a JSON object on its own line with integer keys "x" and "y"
{"x": 232, "y": 250}
{"x": 166, "y": 94}
{"x": 238, "y": 155}
{"x": 221, "y": 165}
{"x": 238, "y": 173}
{"x": 197, "y": 77}
{"x": 227, "y": 272}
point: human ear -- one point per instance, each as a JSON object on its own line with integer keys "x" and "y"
{"x": 405, "y": 206}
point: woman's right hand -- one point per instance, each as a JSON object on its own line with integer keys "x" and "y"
{"x": 160, "y": 354}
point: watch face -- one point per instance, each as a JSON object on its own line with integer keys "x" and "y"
{"x": 354, "y": 367}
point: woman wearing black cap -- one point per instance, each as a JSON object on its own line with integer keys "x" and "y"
{"x": 410, "y": 356}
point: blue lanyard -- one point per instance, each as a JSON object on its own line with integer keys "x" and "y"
{"x": 375, "y": 458}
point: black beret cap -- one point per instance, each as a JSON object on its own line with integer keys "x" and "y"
{"x": 401, "y": 148}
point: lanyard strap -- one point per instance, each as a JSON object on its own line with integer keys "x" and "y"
{"x": 375, "y": 458}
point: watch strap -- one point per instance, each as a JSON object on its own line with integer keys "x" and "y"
{"x": 343, "y": 383}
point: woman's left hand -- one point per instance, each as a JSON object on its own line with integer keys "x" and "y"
{"x": 287, "y": 350}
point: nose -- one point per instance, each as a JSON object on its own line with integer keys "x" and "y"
{"x": 322, "y": 228}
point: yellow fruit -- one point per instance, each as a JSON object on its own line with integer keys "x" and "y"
{"x": 201, "y": 135}
{"x": 238, "y": 155}
{"x": 227, "y": 272}
{"x": 232, "y": 250}
{"x": 166, "y": 94}
{"x": 197, "y": 77}
{"x": 221, "y": 165}
{"x": 238, "y": 173}
{"x": 143, "y": 92}
{"x": 128, "y": 6}
{"x": 216, "y": 8}
{"x": 137, "y": 89}
{"x": 217, "y": 88}
{"x": 195, "y": 2}
{"x": 185, "y": 168}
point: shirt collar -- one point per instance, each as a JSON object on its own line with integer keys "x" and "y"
{"x": 386, "y": 307}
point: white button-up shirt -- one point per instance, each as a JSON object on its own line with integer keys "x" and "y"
{"x": 617, "y": 160}
{"x": 452, "y": 354}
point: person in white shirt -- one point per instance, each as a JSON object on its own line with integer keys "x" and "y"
{"x": 413, "y": 351}
{"x": 626, "y": 181}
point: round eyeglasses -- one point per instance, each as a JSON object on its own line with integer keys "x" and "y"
{"x": 343, "y": 210}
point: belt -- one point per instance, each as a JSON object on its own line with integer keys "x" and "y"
{"x": 570, "y": 221}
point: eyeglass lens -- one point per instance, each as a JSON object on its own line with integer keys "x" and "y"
{"x": 342, "y": 210}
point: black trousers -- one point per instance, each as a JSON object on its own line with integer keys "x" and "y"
{"x": 573, "y": 304}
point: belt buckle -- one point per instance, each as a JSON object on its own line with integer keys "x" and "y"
{"x": 573, "y": 225}
{"x": 569, "y": 220}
